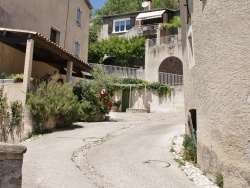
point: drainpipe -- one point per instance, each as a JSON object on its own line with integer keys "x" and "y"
{"x": 130, "y": 95}
{"x": 66, "y": 28}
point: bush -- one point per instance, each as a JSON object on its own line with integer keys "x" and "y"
{"x": 219, "y": 180}
{"x": 53, "y": 100}
{"x": 190, "y": 151}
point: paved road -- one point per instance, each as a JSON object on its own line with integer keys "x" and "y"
{"x": 132, "y": 152}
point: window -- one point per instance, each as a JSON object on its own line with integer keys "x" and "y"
{"x": 77, "y": 49}
{"x": 79, "y": 17}
{"x": 55, "y": 36}
{"x": 121, "y": 25}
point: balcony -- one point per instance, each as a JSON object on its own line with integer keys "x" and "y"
{"x": 149, "y": 29}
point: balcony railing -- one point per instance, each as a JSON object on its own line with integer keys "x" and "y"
{"x": 148, "y": 29}
{"x": 170, "y": 79}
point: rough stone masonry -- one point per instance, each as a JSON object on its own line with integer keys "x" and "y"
{"x": 11, "y": 161}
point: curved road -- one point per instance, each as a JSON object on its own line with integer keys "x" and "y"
{"x": 131, "y": 152}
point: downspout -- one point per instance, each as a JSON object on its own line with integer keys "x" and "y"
{"x": 66, "y": 24}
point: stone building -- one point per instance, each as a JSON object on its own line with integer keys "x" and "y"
{"x": 65, "y": 23}
{"x": 216, "y": 41}
{"x": 39, "y": 38}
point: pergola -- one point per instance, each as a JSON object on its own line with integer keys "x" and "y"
{"x": 38, "y": 47}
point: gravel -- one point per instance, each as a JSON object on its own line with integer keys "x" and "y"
{"x": 194, "y": 173}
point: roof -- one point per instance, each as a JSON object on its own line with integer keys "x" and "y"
{"x": 44, "y": 49}
{"x": 138, "y": 12}
{"x": 150, "y": 15}
{"x": 89, "y": 4}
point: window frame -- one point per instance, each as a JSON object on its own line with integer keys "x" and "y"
{"x": 125, "y": 25}
{"x": 77, "y": 48}
{"x": 79, "y": 16}
{"x": 57, "y": 35}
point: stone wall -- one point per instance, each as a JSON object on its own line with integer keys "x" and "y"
{"x": 217, "y": 84}
{"x": 15, "y": 92}
{"x": 11, "y": 160}
{"x": 141, "y": 99}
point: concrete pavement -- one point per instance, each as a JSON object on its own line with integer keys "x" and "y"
{"x": 128, "y": 153}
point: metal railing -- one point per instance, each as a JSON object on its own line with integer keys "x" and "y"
{"x": 128, "y": 72}
{"x": 170, "y": 79}
{"x": 148, "y": 29}
{"x": 123, "y": 72}
{"x": 170, "y": 39}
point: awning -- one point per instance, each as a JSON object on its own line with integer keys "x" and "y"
{"x": 150, "y": 15}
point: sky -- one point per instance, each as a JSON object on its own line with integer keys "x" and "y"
{"x": 98, "y": 3}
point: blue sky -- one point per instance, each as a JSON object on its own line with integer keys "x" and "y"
{"x": 98, "y": 3}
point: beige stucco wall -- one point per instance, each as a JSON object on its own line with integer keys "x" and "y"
{"x": 217, "y": 85}
{"x": 173, "y": 102}
{"x": 156, "y": 54}
{"x": 40, "y": 16}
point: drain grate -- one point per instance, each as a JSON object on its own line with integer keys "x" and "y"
{"x": 157, "y": 163}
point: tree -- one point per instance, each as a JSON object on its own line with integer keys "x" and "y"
{"x": 113, "y": 7}
{"x": 171, "y": 4}
{"x": 125, "y": 51}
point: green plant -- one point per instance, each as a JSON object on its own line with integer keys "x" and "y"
{"x": 16, "y": 113}
{"x": 53, "y": 100}
{"x": 4, "y": 114}
{"x": 117, "y": 103}
{"x": 174, "y": 23}
{"x": 172, "y": 150}
{"x": 17, "y": 77}
{"x": 219, "y": 180}
{"x": 190, "y": 151}
{"x": 4, "y": 75}
{"x": 162, "y": 89}
{"x": 180, "y": 162}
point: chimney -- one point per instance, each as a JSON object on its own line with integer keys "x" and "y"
{"x": 149, "y": 4}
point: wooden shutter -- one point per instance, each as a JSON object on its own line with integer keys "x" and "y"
{"x": 132, "y": 22}
{"x": 110, "y": 26}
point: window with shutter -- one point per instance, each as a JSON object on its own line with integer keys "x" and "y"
{"x": 79, "y": 17}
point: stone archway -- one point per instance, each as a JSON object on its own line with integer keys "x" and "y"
{"x": 171, "y": 71}
{"x": 172, "y": 65}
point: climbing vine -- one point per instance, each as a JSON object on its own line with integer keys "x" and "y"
{"x": 4, "y": 114}
{"x": 16, "y": 113}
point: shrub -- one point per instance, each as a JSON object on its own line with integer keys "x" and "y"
{"x": 162, "y": 89}
{"x": 190, "y": 151}
{"x": 53, "y": 100}
{"x": 219, "y": 180}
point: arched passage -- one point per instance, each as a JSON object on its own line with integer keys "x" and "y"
{"x": 171, "y": 71}
{"x": 172, "y": 65}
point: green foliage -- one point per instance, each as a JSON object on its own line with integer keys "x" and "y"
{"x": 171, "y": 4}
{"x": 94, "y": 29}
{"x": 117, "y": 103}
{"x": 113, "y": 7}
{"x": 219, "y": 180}
{"x": 180, "y": 162}
{"x": 125, "y": 51}
{"x": 92, "y": 103}
{"x": 190, "y": 151}
{"x": 16, "y": 113}
{"x": 4, "y": 75}
{"x": 162, "y": 89}
{"x": 4, "y": 114}
{"x": 53, "y": 100}
{"x": 174, "y": 23}
{"x": 17, "y": 77}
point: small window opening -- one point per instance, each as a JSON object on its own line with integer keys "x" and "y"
{"x": 55, "y": 36}
{"x": 77, "y": 49}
